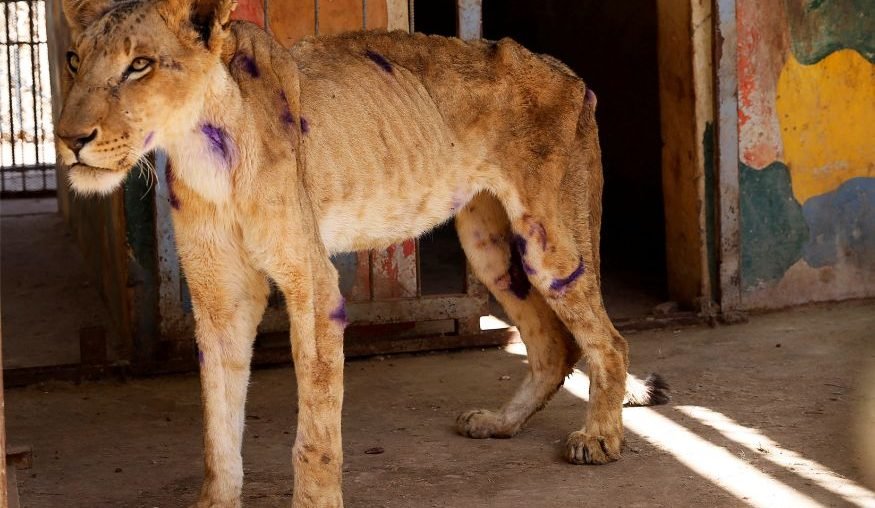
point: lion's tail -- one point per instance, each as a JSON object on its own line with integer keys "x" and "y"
{"x": 653, "y": 391}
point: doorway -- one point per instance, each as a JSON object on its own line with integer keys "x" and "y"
{"x": 614, "y": 50}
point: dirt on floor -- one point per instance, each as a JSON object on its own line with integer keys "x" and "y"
{"x": 789, "y": 379}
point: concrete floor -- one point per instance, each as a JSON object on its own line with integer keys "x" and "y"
{"x": 745, "y": 398}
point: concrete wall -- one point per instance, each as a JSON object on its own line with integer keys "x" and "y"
{"x": 806, "y": 110}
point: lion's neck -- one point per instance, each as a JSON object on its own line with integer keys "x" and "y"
{"x": 208, "y": 155}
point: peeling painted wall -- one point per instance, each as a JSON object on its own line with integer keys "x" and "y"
{"x": 806, "y": 107}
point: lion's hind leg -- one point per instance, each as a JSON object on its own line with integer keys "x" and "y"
{"x": 558, "y": 249}
{"x": 485, "y": 234}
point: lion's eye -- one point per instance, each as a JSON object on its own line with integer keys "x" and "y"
{"x": 72, "y": 62}
{"x": 138, "y": 68}
{"x": 140, "y": 64}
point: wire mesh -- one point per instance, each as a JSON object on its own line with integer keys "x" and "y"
{"x": 27, "y": 148}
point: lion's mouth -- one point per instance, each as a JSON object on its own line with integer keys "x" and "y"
{"x": 85, "y": 167}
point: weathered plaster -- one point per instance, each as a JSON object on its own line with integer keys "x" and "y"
{"x": 773, "y": 229}
{"x": 763, "y": 44}
{"x": 827, "y": 111}
{"x": 842, "y": 225}
{"x": 819, "y": 27}
{"x": 806, "y": 107}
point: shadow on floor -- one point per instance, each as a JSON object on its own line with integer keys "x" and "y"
{"x": 46, "y": 292}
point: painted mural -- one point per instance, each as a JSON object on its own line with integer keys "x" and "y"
{"x": 806, "y": 71}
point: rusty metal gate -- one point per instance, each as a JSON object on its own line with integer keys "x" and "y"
{"x": 27, "y": 150}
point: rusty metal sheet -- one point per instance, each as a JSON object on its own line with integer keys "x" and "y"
{"x": 398, "y": 310}
{"x": 274, "y": 349}
{"x": 424, "y": 308}
{"x": 250, "y": 10}
{"x": 337, "y": 16}
{"x": 376, "y": 14}
{"x": 361, "y": 289}
{"x": 291, "y": 20}
{"x": 393, "y": 271}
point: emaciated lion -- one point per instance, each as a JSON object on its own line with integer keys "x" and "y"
{"x": 279, "y": 158}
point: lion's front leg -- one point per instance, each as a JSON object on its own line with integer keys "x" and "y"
{"x": 229, "y": 297}
{"x": 318, "y": 318}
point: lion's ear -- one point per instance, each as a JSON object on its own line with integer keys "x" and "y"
{"x": 81, "y": 13}
{"x": 208, "y": 18}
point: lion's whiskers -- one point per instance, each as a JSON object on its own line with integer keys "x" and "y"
{"x": 148, "y": 171}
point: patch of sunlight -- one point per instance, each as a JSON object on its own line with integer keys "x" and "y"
{"x": 491, "y": 322}
{"x": 717, "y": 464}
{"x": 712, "y": 462}
{"x": 772, "y": 451}
{"x": 516, "y": 348}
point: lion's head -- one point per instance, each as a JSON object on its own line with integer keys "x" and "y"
{"x": 137, "y": 75}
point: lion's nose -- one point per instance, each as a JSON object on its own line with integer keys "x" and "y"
{"x": 77, "y": 142}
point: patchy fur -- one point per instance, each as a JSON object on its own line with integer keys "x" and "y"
{"x": 282, "y": 157}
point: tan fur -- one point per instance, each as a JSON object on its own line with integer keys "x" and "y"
{"x": 282, "y": 157}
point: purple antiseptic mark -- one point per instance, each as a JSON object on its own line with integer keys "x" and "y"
{"x": 305, "y": 125}
{"x": 460, "y": 199}
{"x": 149, "y": 138}
{"x": 379, "y": 60}
{"x": 339, "y": 314}
{"x": 521, "y": 246}
{"x": 219, "y": 141}
{"x": 590, "y": 97}
{"x": 519, "y": 281}
{"x": 561, "y": 284}
{"x": 247, "y": 64}
{"x": 537, "y": 229}
{"x": 456, "y": 204}
{"x": 286, "y": 114}
{"x": 200, "y": 357}
{"x": 171, "y": 178}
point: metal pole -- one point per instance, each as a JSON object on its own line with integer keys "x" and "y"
{"x": 727, "y": 190}
{"x": 470, "y": 19}
{"x": 8, "y": 9}
{"x": 32, "y": 46}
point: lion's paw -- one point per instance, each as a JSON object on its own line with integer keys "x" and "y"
{"x": 582, "y": 448}
{"x": 481, "y": 424}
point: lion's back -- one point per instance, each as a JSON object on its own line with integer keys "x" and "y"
{"x": 473, "y": 84}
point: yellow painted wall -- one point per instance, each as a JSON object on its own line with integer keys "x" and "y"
{"x": 826, "y": 113}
